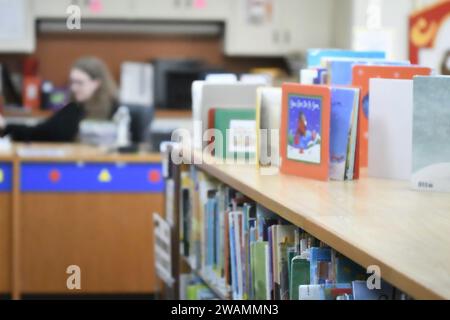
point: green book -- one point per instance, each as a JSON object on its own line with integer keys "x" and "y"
{"x": 238, "y": 128}
{"x": 300, "y": 275}
{"x": 291, "y": 254}
{"x": 259, "y": 254}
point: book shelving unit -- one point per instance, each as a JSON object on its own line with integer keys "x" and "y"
{"x": 373, "y": 222}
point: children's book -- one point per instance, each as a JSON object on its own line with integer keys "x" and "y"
{"x": 315, "y": 56}
{"x": 300, "y": 275}
{"x": 340, "y": 70}
{"x": 260, "y": 255}
{"x": 305, "y": 131}
{"x": 318, "y": 258}
{"x": 319, "y": 132}
{"x": 324, "y": 291}
{"x": 238, "y": 131}
{"x": 268, "y": 121}
{"x": 206, "y": 96}
{"x": 362, "y": 292}
{"x": 343, "y": 131}
{"x": 346, "y": 270}
{"x": 360, "y": 78}
{"x": 390, "y": 129}
{"x": 282, "y": 236}
{"x": 431, "y": 129}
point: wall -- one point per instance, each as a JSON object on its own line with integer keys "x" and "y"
{"x": 57, "y": 52}
{"x": 394, "y": 17}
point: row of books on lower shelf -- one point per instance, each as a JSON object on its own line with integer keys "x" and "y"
{"x": 247, "y": 252}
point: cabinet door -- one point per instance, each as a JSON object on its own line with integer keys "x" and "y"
{"x": 52, "y": 8}
{"x": 181, "y": 9}
{"x": 90, "y": 9}
{"x": 254, "y": 31}
{"x": 207, "y": 9}
{"x": 16, "y": 26}
{"x": 306, "y": 24}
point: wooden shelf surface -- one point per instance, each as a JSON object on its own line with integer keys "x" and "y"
{"x": 73, "y": 152}
{"x": 371, "y": 221}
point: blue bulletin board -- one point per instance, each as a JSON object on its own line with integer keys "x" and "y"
{"x": 92, "y": 177}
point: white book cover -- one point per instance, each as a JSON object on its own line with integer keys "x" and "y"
{"x": 431, "y": 130}
{"x": 310, "y": 292}
{"x": 268, "y": 121}
{"x": 390, "y": 129}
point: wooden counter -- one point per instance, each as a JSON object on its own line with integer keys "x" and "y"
{"x": 373, "y": 222}
{"x": 79, "y": 205}
{"x": 6, "y": 163}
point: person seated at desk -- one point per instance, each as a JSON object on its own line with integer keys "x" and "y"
{"x": 93, "y": 96}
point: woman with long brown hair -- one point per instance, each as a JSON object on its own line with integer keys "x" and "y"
{"x": 93, "y": 96}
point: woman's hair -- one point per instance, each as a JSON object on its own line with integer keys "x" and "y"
{"x": 105, "y": 97}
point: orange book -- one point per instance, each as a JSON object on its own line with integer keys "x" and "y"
{"x": 305, "y": 131}
{"x": 361, "y": 78}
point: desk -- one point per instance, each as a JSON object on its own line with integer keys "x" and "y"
{"x": 78, "y": 205}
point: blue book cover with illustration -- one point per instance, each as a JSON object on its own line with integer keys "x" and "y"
{"x": 344, "y": 102}
{"x": 340, "y": 70}
{"x": 431, "y": 130}
{"x": 315, "y": 56}
{"x": 317, "y": 255}
{"x": 304, "y": 129}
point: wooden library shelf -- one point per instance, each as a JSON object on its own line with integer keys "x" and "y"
{"x": 373, "y": 222}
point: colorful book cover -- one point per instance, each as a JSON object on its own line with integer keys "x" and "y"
{"x": 431, "y": 129}
{"x": 315, "y": 56}
{"x": 283, "y": 237}
{"x": 362, "y": 292}
{"x": 238, "y": 128}
{"x": 300, "y": 275}
{"x": 347, "y": 270}
{"x": 361, "y": 78}
{"x": 324, "y": 291}
{"x": 305, "y": 131}
{"x": 259, "y": 252}
{"x": 343, "y": 106}
{"x": 340, "y": 70}
{"x": 318, "y": 256}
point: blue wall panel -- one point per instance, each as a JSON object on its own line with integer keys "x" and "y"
{"x": 92, "y": 177}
